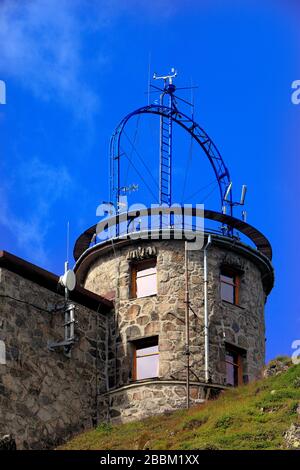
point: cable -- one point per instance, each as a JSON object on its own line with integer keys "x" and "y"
{"x": 139, "y": 174}
{"x": 132, "y": 146}
{"x": 209, "y": 194}
{"x": 25, "y": 302}
{"x": 202, "y": 188}
{"x": 187, "y": 166}
{"x": 141, "y": 158}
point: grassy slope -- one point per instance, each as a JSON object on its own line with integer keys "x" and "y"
{"x": 250, "y": 417}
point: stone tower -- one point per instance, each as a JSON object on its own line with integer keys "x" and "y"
{"x": 187, "y": 322}
{"x": 147, "y": 338}
{"x": 166, "y": 312}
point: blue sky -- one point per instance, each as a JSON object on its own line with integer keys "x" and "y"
{"x": 73, "y": 69}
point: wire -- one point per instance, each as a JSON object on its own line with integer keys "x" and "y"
{"x": 202, "y": 189}
{"x": 210, "y": 193}
{"x": 149, "y": 76}
{"x": 187, "y": 167}
{"x": 25, "y": 302}
{"x": 132, "y": 147}
{"x": 146, "y": 184}
{"x": 141, "y": 158}
{"x": 138, "y": 172}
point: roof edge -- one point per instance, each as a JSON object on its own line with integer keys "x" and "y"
{"x": 50, "y": 281}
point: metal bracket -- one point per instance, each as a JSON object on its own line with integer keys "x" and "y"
{"x": 69, "y": 332}
{"x": 66, "y": 345}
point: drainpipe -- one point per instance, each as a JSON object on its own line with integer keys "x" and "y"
{"x": 206, "y": 327}
{"x": 187, "y": 326}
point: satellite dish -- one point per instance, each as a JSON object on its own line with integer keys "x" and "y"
{"x": 68, "y": 280}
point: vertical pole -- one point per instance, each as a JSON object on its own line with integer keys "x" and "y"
{"x": 170, "y": 148}
{"x": 187, "y": 327}
{"x": 172, "y": 217}
{"x": 206, "y": 326}
{"x": 161, "y": 123}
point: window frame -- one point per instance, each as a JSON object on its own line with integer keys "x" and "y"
{"x": 238, "y": 362}
{"x": 236, "y": 276}
{"x": 144, "y": 343}
{"x": 137, "y": 266}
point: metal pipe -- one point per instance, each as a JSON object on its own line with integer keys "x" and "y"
{"x": 187, "y": 327}
{"x": 206, "y": 325}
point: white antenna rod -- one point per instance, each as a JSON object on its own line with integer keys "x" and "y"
{"x": 149, "y": 76}
{"x": 243, "y": 194}
{"x": 68, "y": 243}
{"x": 228, "y": 191}
{"x": 192, "y": 98}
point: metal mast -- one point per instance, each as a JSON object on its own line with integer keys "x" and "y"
{"x": 169, "y": 114}
{"x": 166, "y": 137}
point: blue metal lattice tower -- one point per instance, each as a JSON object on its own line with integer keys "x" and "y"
{"x": 166, "y": 137}
{"x": 169, "y": 114}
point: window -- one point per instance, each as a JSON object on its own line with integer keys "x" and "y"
{"x": 234, "y": 365}
{"x": 145, "y": 358}
{"x": 143, "y": 279}
{"x": 230, "y": 283}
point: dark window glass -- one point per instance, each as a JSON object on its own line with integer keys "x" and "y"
{"x": 234, "y": 364}
{"x": 229, "y": 286}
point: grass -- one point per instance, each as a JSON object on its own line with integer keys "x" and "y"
{"x": 254, "y": 416}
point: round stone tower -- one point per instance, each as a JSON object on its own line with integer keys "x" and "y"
{"x": 157, "y": 285}
{"x": 189, "y": 315}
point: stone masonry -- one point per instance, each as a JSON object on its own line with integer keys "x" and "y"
{"x": 105, "y": 271}
{"x": 46, "y": 397}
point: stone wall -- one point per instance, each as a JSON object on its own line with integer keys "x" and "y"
{"x": 163, "y": 315}
{"x": 45, "y": 397}
{"x": 134, "y": 402}
{"x": 125, "y": 403}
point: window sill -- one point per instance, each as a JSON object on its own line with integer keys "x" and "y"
{"x": 232, "y": 305}
{"x": 140, "y": 381}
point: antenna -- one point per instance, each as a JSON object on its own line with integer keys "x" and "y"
{"x": 149, "y": 77}
{"x": 228, "y": 191}
{"x": 243, "y": 194}
{"x": 67, "y": 250}
{"x": 166, "y": 137}
{"x": 169, "y": 77}
{"x": 68, "y": 281}
{"x": 2, "y": 92}
{"x": 129, "y": 189}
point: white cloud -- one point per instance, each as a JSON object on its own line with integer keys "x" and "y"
{"x": 47, "y": 45}
{"x": 41, "y": 46}
{"x": 46, "y": 186}
{"x": 44, "y": 48}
